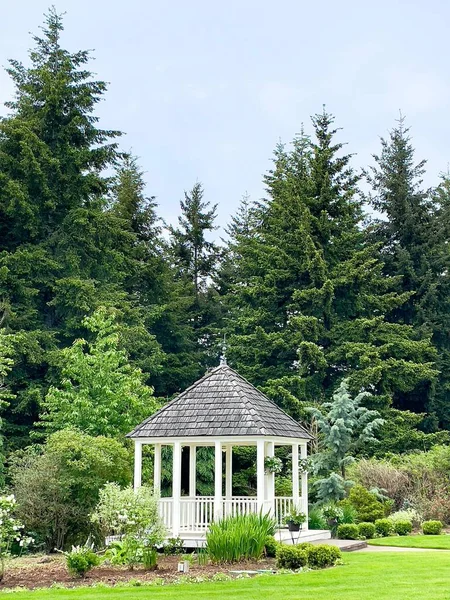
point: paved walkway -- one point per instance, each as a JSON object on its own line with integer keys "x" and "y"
{"x": 362, "y": 546}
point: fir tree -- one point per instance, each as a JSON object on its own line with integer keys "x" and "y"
{"x": 413, "y": 241}
{"x": 311, "y": 304}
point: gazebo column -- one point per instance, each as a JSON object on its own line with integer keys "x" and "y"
{"x": 157, "y": 469}
{"x": 304, "y": 484}
{"x": 295, "y": 479}
{"x": 260, "y": 493}
{"x": 176, "y": 488}
{"x": 192, "y": 471}
{"x": 270, "y": 481}
{"x": 218, "y": 512}
{"x": 228, "y": 478}
{"x": 137, "y": 464}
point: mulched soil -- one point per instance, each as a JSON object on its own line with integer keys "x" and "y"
{"x": 39, "y": 572}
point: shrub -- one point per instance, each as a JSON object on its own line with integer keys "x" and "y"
{"x": 383, "y": 527}
{"x": 11, "y": 530}
{"x": 321, "y": 556}
{"x": 432, "y": 527}
{"x": 291, "y": 557}
{"x": 402, "y": 527}
{"x": 80, "y": 560}
{"x": 381, "y": 475}
{"x": 366, "y": 504}
{"x": 240, "y": 537}
{"x": 173, "y": 546}
{"x": 348, "y": 531}
{"x": 129, "y": 512}
{"x": 409, "y": 514}
{"x": 366, "y": 530}
{"x": 270, "y": 546}
{"x": 316, "y": 520}
{"x": 57, "y": 488}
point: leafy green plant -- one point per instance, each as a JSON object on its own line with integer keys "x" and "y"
{"x": 316, "y": 519}
{"x": 383, "y": 527}
{"x": 81, "y": 559}
{"x": 273, "y": 464}
{"x": 409, "y": 514}
{"x": 432, "y": 527}
{"x": 291, "y": 557}
{"x": 366, "y": 530}
{"x": 173, "y": 546}
{"x": 402, "y": 527}
{"x": 349, "y": 513}
{"x": 348, "y": 531}
{"x": 270, "y": 546}
{"x": 366, "y": 504}
{"x": 202, "y": 557}
{"x": 240, "y": 537}
{"x": 321, "y": 556}
{"x": 295, "y": 516}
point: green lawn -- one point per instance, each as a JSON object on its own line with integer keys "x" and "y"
{"x": 439, "y": 542}
{"x": 364, "y": 576}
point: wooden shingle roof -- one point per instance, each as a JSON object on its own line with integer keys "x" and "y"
{"x": 222, "y": 403}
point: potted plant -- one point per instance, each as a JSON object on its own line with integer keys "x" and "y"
{"x": 273, "y": 464}
{"x": 295, "y": 519}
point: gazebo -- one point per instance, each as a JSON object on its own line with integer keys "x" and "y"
{"x": 221, "y": 410}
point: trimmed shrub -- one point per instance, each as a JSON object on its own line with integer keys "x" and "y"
{"x": 403, "y": 527}
{"x": 348, "y": 531}
{"x": 291, "y": 557}
{"x": 322, "y": 555}
{"x": 366, "y": 530}
{"x": 80, "y": 560}
{"x": 383, "y": 527}
{"x": 366, "y": 504}
{"x": 432, "y": 527}
{"x": 270, "y": 546}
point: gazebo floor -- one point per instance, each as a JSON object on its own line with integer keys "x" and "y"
{"x": 198, "y": 539}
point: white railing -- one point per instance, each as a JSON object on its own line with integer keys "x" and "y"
{"x": 283, "y": 505}
{"x": 166, "y": 511}
{"x": 239, "y": 505}
{"x": 197, "y": 513}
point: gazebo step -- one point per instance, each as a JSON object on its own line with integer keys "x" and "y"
{"x": 312, "y": 535}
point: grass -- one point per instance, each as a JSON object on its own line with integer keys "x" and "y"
{"x": 363, "y": 576}
{"x": 437, "y": 542}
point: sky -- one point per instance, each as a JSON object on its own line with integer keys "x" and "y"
{"x": 204, "y": 90}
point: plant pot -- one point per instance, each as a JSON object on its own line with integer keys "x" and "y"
{"x": 294, "y": 526}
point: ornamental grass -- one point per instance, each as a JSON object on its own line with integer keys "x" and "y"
{"x": 242, "y": 537}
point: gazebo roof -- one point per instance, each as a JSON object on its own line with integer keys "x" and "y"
{"x": 221, "y": 403}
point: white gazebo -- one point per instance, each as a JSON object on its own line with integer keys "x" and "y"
{"x": 221, "y": 410}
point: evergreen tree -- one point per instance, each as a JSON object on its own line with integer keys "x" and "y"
{"x": 195, "y": 260}
{"x": 344, "y": 430}
{"x": 414, "y": 236}
{"x": 62, "y": 253}
{"x": 311, "y": 304}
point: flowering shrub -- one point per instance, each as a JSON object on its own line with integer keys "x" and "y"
{"x": 11, "y": 530}
{"x": 410, "y": 514}
{"x": 132, "y": 514}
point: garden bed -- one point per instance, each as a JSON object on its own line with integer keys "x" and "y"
{"x": 38, "y": 572}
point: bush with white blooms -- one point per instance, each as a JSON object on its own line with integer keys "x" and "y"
{"x": 11, "y": 530}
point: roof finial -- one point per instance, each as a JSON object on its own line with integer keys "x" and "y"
{"x": 223, "y": 357}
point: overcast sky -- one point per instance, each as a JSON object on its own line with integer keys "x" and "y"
{"x": 205, "y": 89}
